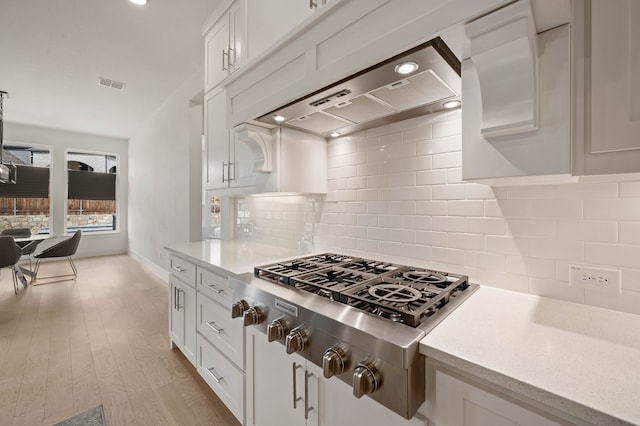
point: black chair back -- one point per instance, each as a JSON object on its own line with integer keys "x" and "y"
{"x": 9, "y": 251}
{"x": 17, "y": 232}
{"x": 64, "y": 248}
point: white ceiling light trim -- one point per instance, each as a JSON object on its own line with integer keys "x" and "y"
{"x": 139, "y": 2}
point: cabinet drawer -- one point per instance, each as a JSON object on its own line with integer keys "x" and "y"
{"x": 186, "y": 271}
{"x": 215, "y": 286}
{"x": 214, "y": 322}
{"x": 225, "y": 379}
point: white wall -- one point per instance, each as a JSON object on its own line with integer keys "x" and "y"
{"x": 59, "y": 140}
{"x": 160, "y": 204}
{"x": 518, "y": 238}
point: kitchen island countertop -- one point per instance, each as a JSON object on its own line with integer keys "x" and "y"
{"x": 577, "y": 359}
{"x": 235, "y": 256}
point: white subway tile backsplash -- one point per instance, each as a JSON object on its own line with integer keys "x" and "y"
{"x": 432, "y": 146}
{"x": 613, "y": 209}
{"x": 530, "y": 228}
{"x": 621, "y": 255}
{"x": 447, "y": 160}
{"x": 465, "y": 241}
{"x": 448, "y": 192}
{"x": 397, "y": 192}
{"x": 356, "y": 183}
{"x": 531, "y": 266}
{"x": 569, "y": 208}
{"x": 556, "y": 289}
{"x": 487, "y": 225}
{"x": 431, "y": 177}
{"x": 417, "y": 134}
{"x": 446, "y": 128}
{"x": 586, "y": 191}
{"x": 465, "y": 208}
{"x": 448, "y": 224}
{"x": 557, "y": 249}
{"x": 485, "y": 260}
{"x": 370, "y": 194}
{"x": 506, "y": 245}
{"x": 531, "y": 192}
{"x": 630, "y": 189}
{"x": 630, "y": 234}
{"x": 587, "y": 230}
{"x": 431, "y": 208}
{"x": 429, "y": 238}
{"x": 507, "y": 208}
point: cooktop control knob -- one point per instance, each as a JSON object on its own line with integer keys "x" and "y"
{"x": 297, "y": 340}
{"x": 277, "y": 330}
{"x": 333, "y": 361}
{"x": 253, "y": 316}
{"x": 238, "y": 308}
{"x": 365, "y": 379}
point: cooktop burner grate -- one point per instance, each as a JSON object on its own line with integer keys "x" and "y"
{"x": 399, "y": 293}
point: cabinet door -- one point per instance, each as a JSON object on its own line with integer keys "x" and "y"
{"x": 236, "y": 31}
{"x": 341, "y": 408}
{"x": 242, "y": 160}
{"x": 463, "y": 404}
{"x": 187, "y": 303}
{"x": 176, "y": 317}
{"x": 270, "y": 378}
{"x": 268, "y": 22}
{"x": 216, "y": 51}
{"x": 614, "y": 146}
{"x": 217, "y": 140}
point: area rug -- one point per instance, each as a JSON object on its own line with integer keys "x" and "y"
{"x": 92, "y": 417}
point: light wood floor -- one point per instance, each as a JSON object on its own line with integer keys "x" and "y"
{"x": 67, "y": 347}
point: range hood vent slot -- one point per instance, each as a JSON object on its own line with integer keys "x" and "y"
{"x": 378, "y": 96}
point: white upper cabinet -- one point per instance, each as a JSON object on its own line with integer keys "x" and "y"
{"x": 223, "y": 46}
{"x": 269, "y": 21}
{"x": 516, "y": 113}
{"x": 612, "y": 76}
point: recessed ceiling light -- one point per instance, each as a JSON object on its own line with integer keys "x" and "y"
{"x": 139, "y": 2}
{"x": 406, "y": 68}
{"x": 335, "y": 134}
{"x": 451, "y": 104}
{"x": 279, "y": 118}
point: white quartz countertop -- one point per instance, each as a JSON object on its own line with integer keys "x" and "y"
{"x": 578, "y": 359}
{"x": 235, "y": 256}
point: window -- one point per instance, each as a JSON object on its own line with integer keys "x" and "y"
{"x": 91, "y": 197}
{"x": 25, "y": 204}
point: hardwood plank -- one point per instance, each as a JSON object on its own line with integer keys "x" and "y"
{"x": 175, "y": 406}
{"x": 119, "y": 414}
{"x": 149, "y": 409}
{"x": 32, "y": 394}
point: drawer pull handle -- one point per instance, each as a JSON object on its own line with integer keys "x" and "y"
{"x": 216, "y": 329}
{"x": 215, "y": 376}
{"x": 215, "y": 289}
{"x": 177, "y": 268}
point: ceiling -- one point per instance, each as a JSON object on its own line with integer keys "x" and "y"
{"x": 52, "y": 53}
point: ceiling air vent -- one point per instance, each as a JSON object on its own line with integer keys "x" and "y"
{"x": 110, "y": 83}
{"x": 330, "y": 98}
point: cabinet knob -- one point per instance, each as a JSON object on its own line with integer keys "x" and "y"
{"x": 365, "y": 379}
{"x": 276, "y": 330}
{"x": 333, "y": 361}
{"x": 238, "y": 308}
{"x": 297, "y": 340}
{"x": 253, "y": 316}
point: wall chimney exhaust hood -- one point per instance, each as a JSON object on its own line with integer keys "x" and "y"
{"x": 417, "y": 82}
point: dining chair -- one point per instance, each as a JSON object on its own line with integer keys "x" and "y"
{"x": 10, "y": 254}
{"x": 28, "y": 247}
{"x": 65, "y": 248}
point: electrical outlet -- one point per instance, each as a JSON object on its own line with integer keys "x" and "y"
{"x": 605, "y": 280}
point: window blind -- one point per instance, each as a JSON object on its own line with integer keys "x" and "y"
{"x": 85, "y": 185}
{"x": 31, "y": 182}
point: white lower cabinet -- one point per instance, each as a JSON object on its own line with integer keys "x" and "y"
{"x": 282, "y": 387}
{"x": 462, "y": 403}
{"x": 182, "y": 317}
{"x": 226, "y": 380}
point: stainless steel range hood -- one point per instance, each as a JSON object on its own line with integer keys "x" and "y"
{"x": 378, "y": 95}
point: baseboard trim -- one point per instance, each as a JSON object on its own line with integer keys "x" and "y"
{"x": 151, "y": 266}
